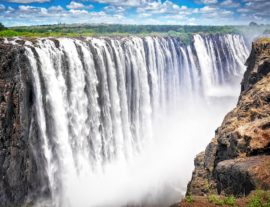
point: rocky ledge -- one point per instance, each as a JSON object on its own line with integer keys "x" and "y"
{"x": 237, "y": 161}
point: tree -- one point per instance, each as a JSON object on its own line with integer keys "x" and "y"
{"x": 253, "y": 24}
{"x": 2, "y": 27}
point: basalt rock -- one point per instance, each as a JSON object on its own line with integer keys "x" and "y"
{"x": 21, "y": 172}
{"x": 236, "y": 161}
{"x": 242, "y": 175}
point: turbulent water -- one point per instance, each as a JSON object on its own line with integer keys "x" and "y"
{"x": 120, "y": 118}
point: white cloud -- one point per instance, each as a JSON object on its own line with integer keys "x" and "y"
{"x": 126, "y": 3}
{"x": 210, "y": 12}
{"x": 209, "y": 1}
{"x": 28, "y": 1}
{"x": 146, "y": 12}
{"x": 157, "y": 7}
{"x": 77, "y": 5}
{"x": 27, "y": 8}
{"x": 2, "y": 7}
{"x": 243, "y": 10}
{"x": 78, "y": 12}
{"x": 256, "y": 9}
{"x": 114, "y": 9}
{"x": 230, "y": 3}
{"x": 208, "y": 9}
{"x": 23, "y": 15}
{"x": 56, "y": 9}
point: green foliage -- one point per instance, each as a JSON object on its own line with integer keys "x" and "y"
{"x": 183, "y": 32}
{"x": 260, "y": 199}
{"x": 2, "y": 27}
{"x": 220, "y": 201}
{"x": 189, "y": 199}
{"x": 216, "y": 200}
{"x": 230, "y": 201}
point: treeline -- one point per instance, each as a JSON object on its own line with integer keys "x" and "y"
{"x": 130, "y": 29}
{"x": 184, "y": 32}
{"x": 75, "y": 30}
{"x": 2, "y": 27}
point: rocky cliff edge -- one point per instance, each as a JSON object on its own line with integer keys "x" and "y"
{"x": 237, "y": 160}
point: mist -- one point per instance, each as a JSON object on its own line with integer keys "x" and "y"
{"x": 158, "y": 176}
{"x": 123, "y": 126}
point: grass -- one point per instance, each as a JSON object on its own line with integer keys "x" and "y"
{"x": 183, "y": 32}
{"x": 221, "y": 201}
{"x": 13, "y": 33}
{"x": 260, "y": 199}
{"x": 186, "y": 38}
{"x": 215, "y": 199}
{"x": 189, "y": 199}
{"x": 230, "y": 201}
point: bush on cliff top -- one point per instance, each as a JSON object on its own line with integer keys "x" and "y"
{"x": 2, "y": 27}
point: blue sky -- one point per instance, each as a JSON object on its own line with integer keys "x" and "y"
{"x": 187, "y": 12}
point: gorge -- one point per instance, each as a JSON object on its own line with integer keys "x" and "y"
{"x": 104, "y": 121}
{"x": 236, "y": 161}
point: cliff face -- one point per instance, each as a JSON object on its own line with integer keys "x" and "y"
{"x": 21, "y": 172}
{"x": 237, "y": 160}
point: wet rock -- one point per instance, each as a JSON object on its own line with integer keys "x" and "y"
{"x": 22, "y": 175}
{"x": 243, "y": 175}
{"x": 236, "y": 161}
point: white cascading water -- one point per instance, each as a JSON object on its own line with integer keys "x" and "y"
{"x": 121, "y": 119}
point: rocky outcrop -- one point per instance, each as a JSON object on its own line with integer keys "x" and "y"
{"x": 237, "y": 159}
{"x": 22, "y": 170}
{"x": 243, "y": 175}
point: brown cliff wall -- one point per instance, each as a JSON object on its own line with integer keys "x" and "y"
{"x": 237, "y": 160}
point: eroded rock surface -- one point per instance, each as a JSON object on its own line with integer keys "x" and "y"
{"x": 236, "y": 161}
{"x": 22, "y": 174}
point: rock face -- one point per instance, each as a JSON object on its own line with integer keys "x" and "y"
{"x": 237, "y": 160}
{"x": 241, "y": 176}
{"x": 21, "y": 173}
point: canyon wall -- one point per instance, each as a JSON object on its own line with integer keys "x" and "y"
{"x": 237, "y": 160}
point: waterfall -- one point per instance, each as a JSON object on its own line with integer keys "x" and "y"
{"x": 99, "y": 101}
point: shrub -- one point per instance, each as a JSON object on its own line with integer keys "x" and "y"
{"x": 260, "y": 199}
{"x": 215, "y": 200}
{"x": 189, "y": 199}
{"x": 2, "y": 27}
{"x": 230, "y": 201}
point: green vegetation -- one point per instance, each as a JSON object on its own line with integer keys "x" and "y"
{"x": 220, "y": 201}
{"x": 184, "y": 32}
{"x": 230, "y": 201}
{"x": 215, "y": 199}
{"x": 189, "y": 199}
{"x": 126, "y": 29}
{"x": 14, "y": 33}
{"x": 260, "y": 199}
{"x": 2, "y": 27}
{"x": 77, "y": 30}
